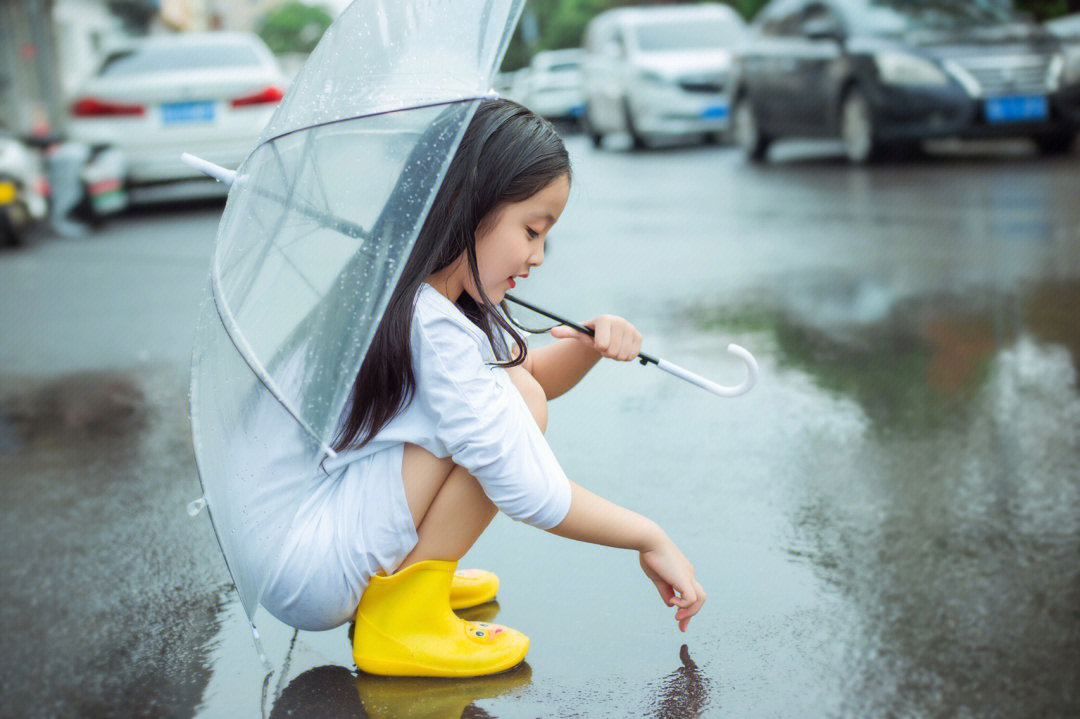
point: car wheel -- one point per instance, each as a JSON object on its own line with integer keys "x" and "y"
{"x": 857, "y": 132}
{"x": 637, "y": 141}
{"x": 589, "y": 128}
{"x": 8, "y": 236}
{"x": 747, "y": 132}
{"x": 1056, "y": 143}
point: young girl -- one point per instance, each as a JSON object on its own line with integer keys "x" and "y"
{"x": 445, "y": 428}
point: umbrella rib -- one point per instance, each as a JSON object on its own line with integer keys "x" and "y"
{"x": 308, "y": 210}
{"x": 379, "y": 113}
{"x": 232, "y": 329}
{"x": 252, "y": 276}
{"x": 322, "y": 192}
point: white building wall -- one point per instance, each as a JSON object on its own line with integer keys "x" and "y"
{"x": 84, "y": 30}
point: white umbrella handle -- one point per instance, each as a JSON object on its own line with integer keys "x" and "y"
{"x": 746, "y": 386}
{"x": 674, "y": 369}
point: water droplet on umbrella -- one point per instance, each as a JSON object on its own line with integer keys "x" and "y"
{"x": 196, "y": 506}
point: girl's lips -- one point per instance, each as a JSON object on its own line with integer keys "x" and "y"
{"x": 512, "y": 283}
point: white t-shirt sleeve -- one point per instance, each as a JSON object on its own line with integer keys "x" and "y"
{"x": 486, "y": 426}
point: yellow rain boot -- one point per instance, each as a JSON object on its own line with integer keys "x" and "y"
{"x": 405, "y": 627}
{"x": 471, "y": 587}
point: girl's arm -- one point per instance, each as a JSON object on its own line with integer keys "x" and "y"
{"x": 561, "y": 365}
{"x": 596, "y": 520}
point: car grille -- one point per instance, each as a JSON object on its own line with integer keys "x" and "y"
{"x": 1015, "y": 75}
{"x": 703, "y": 83}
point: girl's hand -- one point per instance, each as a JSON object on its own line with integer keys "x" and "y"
{"x": 612, "y": 337}
{"x": 673, "y": 576}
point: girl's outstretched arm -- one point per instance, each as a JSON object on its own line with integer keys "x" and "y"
{"x": 561, "y": 365}
{"x": 596, "y": 520}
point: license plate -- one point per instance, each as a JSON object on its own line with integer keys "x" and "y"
{"x": 8, "y": 193}
{"x": 715, "y": 112}
{"x": 181, "y": 112}
{"x": 1016, "y": 109}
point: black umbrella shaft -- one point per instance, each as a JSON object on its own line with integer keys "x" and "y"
{"x": 642, "y": 357}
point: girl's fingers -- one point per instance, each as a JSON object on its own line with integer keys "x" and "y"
{"x": 666, "y": 592}
{"x": 612, "y": 337}
{"x": 684, "y": 614}
{"x": 687, "y": 597}
{"x": 602, "y": 338}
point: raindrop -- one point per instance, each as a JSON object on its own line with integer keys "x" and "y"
{"x": 196, "y": 506}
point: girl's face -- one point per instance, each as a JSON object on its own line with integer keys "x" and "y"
{"x": 511, "y": 243}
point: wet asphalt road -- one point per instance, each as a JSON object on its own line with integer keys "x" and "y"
{"x": 888, "y": 525}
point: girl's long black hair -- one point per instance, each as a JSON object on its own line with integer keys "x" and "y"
{"x": 507, "y": 154}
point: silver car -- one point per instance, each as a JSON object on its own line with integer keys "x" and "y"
{"x": 555, "y": 88}
{"x": 659, "y": 71}
{"x": 210, "y": 94}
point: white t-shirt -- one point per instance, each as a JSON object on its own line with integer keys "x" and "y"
{"x": 465, "y": 408}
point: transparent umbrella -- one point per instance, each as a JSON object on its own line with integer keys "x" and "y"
{"x": 319, "y": 221}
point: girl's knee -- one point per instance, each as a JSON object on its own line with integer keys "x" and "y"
{"x": 532, "y": 393}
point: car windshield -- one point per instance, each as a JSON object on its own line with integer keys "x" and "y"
{"x": 887, "y": 17}
{"x": 700, "y": 34}
{"x": 169, "y": 58}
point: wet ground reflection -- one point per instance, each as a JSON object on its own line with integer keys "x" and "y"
{"x": 335, "y": 692}
{"x": 684, "y": 693}
{"x": 112, "y": 594}
{"x": 946, "y": 511}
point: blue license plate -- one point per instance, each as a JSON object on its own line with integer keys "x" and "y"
{"x": 1016, "y": 109}
{"x": 715, "y": 112}
{"x": 180, "y": 112}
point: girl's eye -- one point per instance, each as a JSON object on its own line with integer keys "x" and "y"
{"x": 532, "y": 233}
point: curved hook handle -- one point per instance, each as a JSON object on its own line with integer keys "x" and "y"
{"x": 746, "y": 386}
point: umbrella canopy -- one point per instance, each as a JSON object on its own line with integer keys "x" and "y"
{"x": 364, "y": 135}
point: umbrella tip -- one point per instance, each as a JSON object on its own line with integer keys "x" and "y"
{"x": 195, "y": 506}
{"x": 217, "y": 172}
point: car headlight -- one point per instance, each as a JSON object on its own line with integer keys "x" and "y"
{"x": 1069, "y": 73}
{"x": 652, "y": 77}
{"x": 897, "y": 68}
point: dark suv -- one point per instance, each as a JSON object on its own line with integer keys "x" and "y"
{"x": 879, "y": 72}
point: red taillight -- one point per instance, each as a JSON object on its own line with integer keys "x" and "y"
{"x": 92, "y": 107}
{"x": 262, "y": 97}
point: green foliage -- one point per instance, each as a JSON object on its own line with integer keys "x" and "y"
{"x": 561, "y": 23}
{"x": 1047, "y": 9}
{"x": 294, "y": 27}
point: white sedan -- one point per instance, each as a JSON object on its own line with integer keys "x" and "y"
{"x": 210, "y": 94}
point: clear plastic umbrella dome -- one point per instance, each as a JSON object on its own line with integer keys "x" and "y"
{"x": 318, "y": 224}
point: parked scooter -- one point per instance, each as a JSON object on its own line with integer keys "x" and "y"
{"x": 24, "y": 191}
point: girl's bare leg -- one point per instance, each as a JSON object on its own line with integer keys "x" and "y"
{"x": 448, "y": 507}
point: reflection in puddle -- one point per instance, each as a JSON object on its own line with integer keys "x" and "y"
{"x": 911, "y": 361}
{"x": 952, "y": 527}
{"x": 684, "y": 693}
{"x": 106, "y": 585}
{"x": 333, "y": 691}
